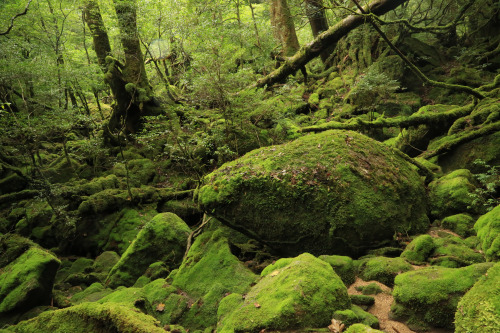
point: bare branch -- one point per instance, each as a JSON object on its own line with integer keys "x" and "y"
{"x": 14, "y": 17}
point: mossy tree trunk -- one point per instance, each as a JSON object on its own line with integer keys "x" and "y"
{"x": 326, "y": 40}
{"x": 128, "y": 82}
{"x": 283, "y": 27}
{"x": 315, "y": 12}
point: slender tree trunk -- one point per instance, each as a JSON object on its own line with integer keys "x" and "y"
{"x": 283, "y": 27}
{"x": 93, "y": 18}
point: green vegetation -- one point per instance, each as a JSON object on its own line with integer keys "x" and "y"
{"x": 177, "y": 166}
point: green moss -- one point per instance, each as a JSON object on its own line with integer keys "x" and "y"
{"x": 297, "y": 293}
{"x": 103, "y": 202}
{"x": 488, "y": 232}
{"x": 362, "y": 300}
{"x": 141, "y": 171}
{"x": 479, "y": 309}
{"x": 419, "y": 249}
{"x": 461, "y": 224}
{"x": 207, "y": 274}
{"x": 450, "y": 194}
{"x": 343, "y": 266}
{"x": 93, "y": 293}
{"x": 91, "y": 317}
{"x": 104, "y": 262}
{"x": 163, "y": 238}
{"x": 313, "y": 99}
{"x": 383, "y": 269}
{"x": 453, "y": 252}
{"x": 370, "y": 289}
{"x": 340, "y": 180}
{"x": 27, "y": 281}
{"x": 431, "y": 294}
{"x": 361, "y": 328}
{"x": 126, "y": 228}
{"x": 355, "y": 315}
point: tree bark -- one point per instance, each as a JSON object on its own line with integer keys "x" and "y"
{"x": 134, "y": 70}
{"x": 324, "y": 40}
{"x": 283, "y": 27}
{"x": 315, "y": 12}
{"x": 93, "y": 18}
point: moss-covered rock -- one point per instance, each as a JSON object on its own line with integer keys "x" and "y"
{"x": 453, "y": 252}
{"x": 488, "y": 232}
{"x": 209, "y": 273}
{"x": 103, "y": 202}
{"x": 334, "y": 192}
{"x": 479, "y": 309}
{"x": 27, "y": 280}
{"x": 361, "y": 328}
{"x": 461, "y": 224}
{"x": 430, "y": 295}
{"x": 163, "y": 238}
{"x": 292, "y": 293}
{"x": 93, "y": 293}
{"x": 126, "y": 228}
{"x": 343, "y": 266}
{"x": 382, "y": 269}
{"x": 370, "y": 289}
{"x": 91, "y": 317}
{"x": 356, "y": 315}
{"x": 450, "y": 194}
{"x": 363, "y": 300}
{"x": 141, "y": 171}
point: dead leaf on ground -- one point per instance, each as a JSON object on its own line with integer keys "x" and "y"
{"x": 336, "y": 326}
{"x": 257, "y": 305}
{"x": 276, "y": 272}
{"x": 160, "y": 307}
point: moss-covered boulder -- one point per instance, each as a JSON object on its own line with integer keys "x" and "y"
{"x": 479, "y": 309}
{"x": 337, "y": 192}
{"x": 292, "y": 293}
{"x": 90, "y": 317}
{"x": 430, "y": 296}
{"x": 140, "y": 171}
{"x": 454, "y": 252}
{"x": 26, "y": 281}
{"x": 343, "y": 266}
{"x": 163, "y": 238}
{"x": 488, "y": 232}
{"x": 383, "y": 269}
{"x": 461, "y": 224}
{"x": 209, "y": 272}
{"x": 419, "y": 249}
{"x": 126, "y": 228}
{"x": 356, "y": 315}
{"x": 450, "y": 194}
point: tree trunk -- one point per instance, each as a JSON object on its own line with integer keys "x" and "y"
{"x": 134, "y": 70}
{"x": 317, "y": 19}
{"x": 283, "y": 27}
{"x": 93, "y": 18}
{"x": 325, "y": 40}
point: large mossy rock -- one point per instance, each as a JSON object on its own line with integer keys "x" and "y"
{"x": 450, "y": 194}
{"x": 209, "y": 272}
{"x": 90, "y": 317}
{"x": 334, "y": 192}
{"x": 27, "y": 274}
{"x": 292, "y": 293}
{"x": 163, "y": 238}
{"x": 479, "y": 309}
{"x": 382, "y": 269}
{"x": 430, "y": 296}
{"x": 488, "y": 232}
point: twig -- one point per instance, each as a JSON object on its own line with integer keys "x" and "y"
{"x": 14, "y": 17}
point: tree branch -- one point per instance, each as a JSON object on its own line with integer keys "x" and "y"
{"x": 415, "y": 70}
{"x": 403, "y": 122}
{"x": 14, "y": 17}
{"x": 325, "y": 40}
